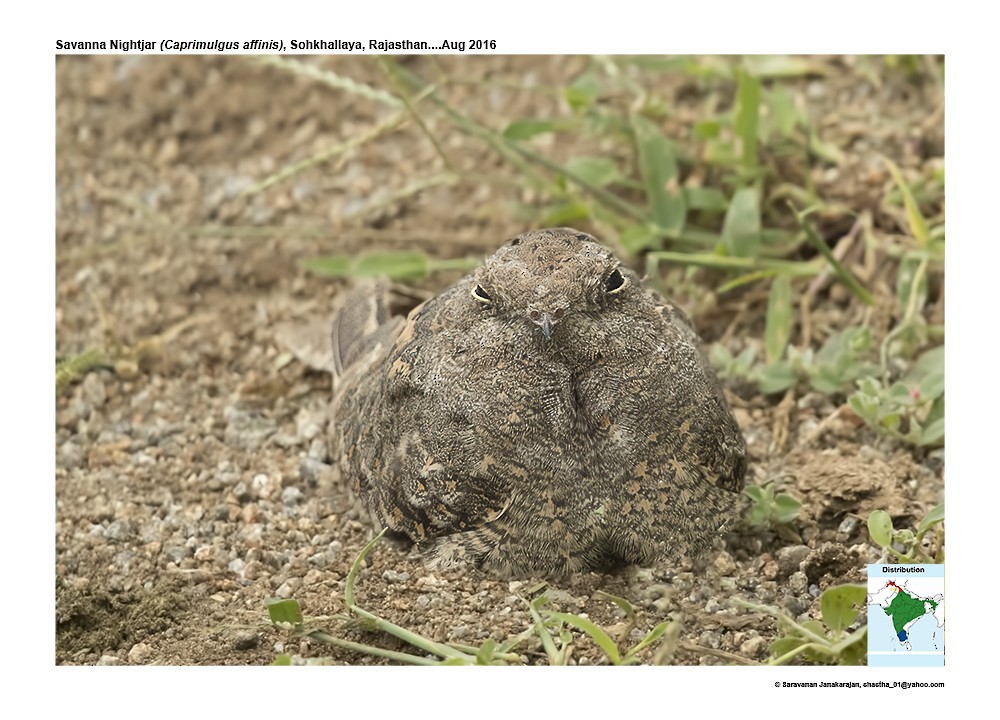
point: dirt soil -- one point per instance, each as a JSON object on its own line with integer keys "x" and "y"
{"x": 192, "y": 479}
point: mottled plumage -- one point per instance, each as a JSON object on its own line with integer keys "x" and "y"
{"x": 546, "y": 414}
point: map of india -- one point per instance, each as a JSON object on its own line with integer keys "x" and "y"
{"x": 906, "y": 615}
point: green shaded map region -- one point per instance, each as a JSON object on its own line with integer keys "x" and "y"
{"x": 906, "y": 611}
{"x": 904, "y": 608}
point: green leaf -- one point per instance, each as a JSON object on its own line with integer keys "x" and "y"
{"x": 904, "y": 284}
{"x": 891, "y": 420}
{"x": 936, "y": 411}
{"x": 855, "y": 651}
{"x": 845, "y": 275}
{"x": 741, "y": 227}
{"x": 398, "y": 265}
{"x": 651, "y": 637}
{"x": 597, "y": 171}
{"x": 453, "y": 662}
{"x": 825, "y": 150}
{"x": 707, "y": 129}
{"x": 284, "y": 611}
{"x": 565, "y": 214}
{"x": 707, "y": 199}
{"x": 870, "y": 387}
{"x": 71, "y": 368}
{"x": 864, "y": 407}
{"x": 778, "y": 326}
{"x": 486, "y": 651}
{"x": 784, "y": 66}
{"x": 583, "y": 92}
{"x": 786, "y": 508}
{"x": 282, "y": 660}
{"x": 596, "y": 633}
{"x": 746, "y": 117}
{"x": 826, "y": 380}
{"x": 777, "y": 378}
{"x": 931, "y": 519}
{"x": 900, "y": 392}
{"x": 932, "y": 386}
{"x": 916, "y": 221}
{"x": 622, "y": 603}
{"x": 359, "y": 561}
{"x": 783, "y": 646}
{"x": 720, "y": 356}
{"x": 784, "y": 114}
{"x": 660, "y": 175}
{"x": 931, "y": 361}
{"x": 720, "y": 152}
{"x": 639, "y": 237}
{"x": 880, "y": 528}
{"x": 815, "y": 626}
{"x": 526, "y": 129}
{"x": 330, "y": 265}
{"x": 745, "y": 359}
{"x": 933, "y": 434}
{"x": 838, "y": 605}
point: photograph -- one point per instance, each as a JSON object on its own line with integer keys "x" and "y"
{"x": 432, "y": 354}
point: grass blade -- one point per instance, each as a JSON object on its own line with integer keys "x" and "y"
{"x": 845, "y": 275}
{"x": 651, "y": 637}
{"x": 658, "y": 165}
{"x": 624, "y": 605}
{"x": 746, "y": 120}
{"x": 598, "y": 171}
{"x": 916, "y": 221}
{"x": 330, "y": 78}
{"x": 398, "y": 265}
{"x": 778, "y": 325}
{"x": 596, "y": 633}
{"x": 352, "y": 576}
{"x": 741, "y": 227}
{"x": 554, "y": 655}
{"x": 71, "y": 368}
{"x": 527, "y": 129}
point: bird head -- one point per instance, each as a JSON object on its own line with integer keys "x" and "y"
{"x": 544, "y": 277}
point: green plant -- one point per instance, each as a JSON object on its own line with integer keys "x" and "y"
{"x": 710, "y": 200}
{"x": 769, "y": 508}
{"x": 912, "y": 408}
{"x": 826, "y": 642}
{"x": 553, "y": 630}
{"x": 911, "y": 543}
{"x": 837, "y": 364}
{"x": 288, "y": 615}
{"x": 397, "y": 265}
{"x": 550, "y": 625}
{"x": 71, "y": 368}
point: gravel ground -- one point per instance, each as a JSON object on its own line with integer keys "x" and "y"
{"x": 192, "y": 477}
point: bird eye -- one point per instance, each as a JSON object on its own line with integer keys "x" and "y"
{"x": 615, "y": 282}
{"x": 481, "y": 295}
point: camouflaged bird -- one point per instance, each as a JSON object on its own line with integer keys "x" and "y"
{"x": 546, "y": 414}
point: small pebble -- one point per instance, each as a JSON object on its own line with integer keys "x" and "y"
{"x": 246, "y": 640}
{"x": 790, "y": 558}
{"x": 139, "y": 653}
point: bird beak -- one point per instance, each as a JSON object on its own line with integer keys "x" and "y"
{"x": 546, "y": 323}
{"x": 547, "y": 326}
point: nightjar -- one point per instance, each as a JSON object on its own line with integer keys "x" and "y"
{"x": 546, "y": 414}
